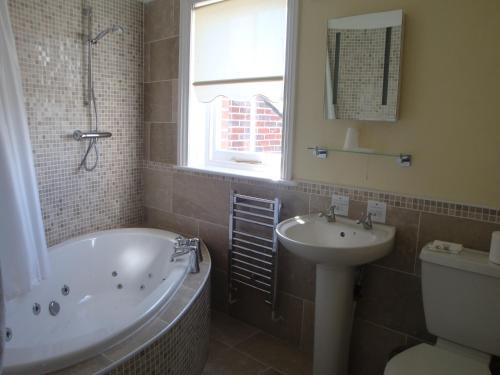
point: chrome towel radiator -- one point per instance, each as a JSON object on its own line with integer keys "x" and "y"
{"x": 253, "y": 252}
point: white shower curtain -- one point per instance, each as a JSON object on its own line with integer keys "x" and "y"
{"x": 23, "y": 249}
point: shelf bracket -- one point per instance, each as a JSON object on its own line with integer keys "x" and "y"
{"x": 404, "y": 160}
{"x": 319, "y": 152}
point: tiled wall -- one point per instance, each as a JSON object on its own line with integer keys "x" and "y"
{"x": 389, "y": 313}
{"x": 53, "y": 67}
{"x": 361, "y": 72}
{"x": 161, "y": 59}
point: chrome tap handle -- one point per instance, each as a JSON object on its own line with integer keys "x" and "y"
{"x": 330, "y": 214}
{"x": 362, "y": 217}
{"x": 365, "y": 220}
{"x": 197, "y": 244}
{"x": 368, "y": 220}
{"x": 194, "y": 263}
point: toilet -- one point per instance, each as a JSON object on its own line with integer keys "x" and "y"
{"x": 461, "y": 294}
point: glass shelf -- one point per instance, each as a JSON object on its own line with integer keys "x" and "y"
{"x": 403, "y": 159}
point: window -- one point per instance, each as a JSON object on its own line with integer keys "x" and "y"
{"x": 236, "y": 86}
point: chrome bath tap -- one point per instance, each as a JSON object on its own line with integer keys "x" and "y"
{"x": 330, "y": 215}
{"x": 188, "y": 246}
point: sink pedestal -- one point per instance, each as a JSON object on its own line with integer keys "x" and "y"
{"x": 336, "y": 248}
{"x": 333, "y": 318}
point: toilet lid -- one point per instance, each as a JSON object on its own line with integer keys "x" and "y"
{"x": 426, "y": 359}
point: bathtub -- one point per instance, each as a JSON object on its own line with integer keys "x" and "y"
{"x": 105, "y": 286}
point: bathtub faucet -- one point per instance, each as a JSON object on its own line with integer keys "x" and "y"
{"x": 188, "y": 246}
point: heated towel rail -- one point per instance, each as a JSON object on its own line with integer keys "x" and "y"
{"x": 253, "y": 253}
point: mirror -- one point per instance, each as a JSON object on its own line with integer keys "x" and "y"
{"x": 363, "y": 67}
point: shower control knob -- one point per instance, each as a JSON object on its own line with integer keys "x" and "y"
{"x": 77, "y": 135}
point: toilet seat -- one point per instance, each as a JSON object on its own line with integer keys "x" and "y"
{"x": 426, "y": 359}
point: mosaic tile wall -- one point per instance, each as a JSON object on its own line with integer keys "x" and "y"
{"x": 181, "y": 351}
{"x": 53, "y": 67}
{"x": 361, "y": 73}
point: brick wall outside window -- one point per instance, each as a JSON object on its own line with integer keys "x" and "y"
{"x": 237, "y": 120}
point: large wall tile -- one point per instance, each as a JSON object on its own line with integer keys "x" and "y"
{"x": 219, "y": 292}
{"x": 402, "y": 256}
{"x": 163, "y": 142}
{"x": 175, "y": 100}
{"x": 216, "y": 238}
{"x": 261, "y": 191}
{"x": 470, "y": 233}
{"x": 357, "y": 209}
{"x": 296, "y": 275}
{"x": 202, "y": 198}
{"x": 147, "y": 65}
{"x": 158, "y": 189}
{"x": 251, "y": 308}
{"x": 371, "y": 347}
{"x": 319, "y": 203}
{"x": 393, "y": 299}
{"x": 165, "y": 220}
{"x": 164, "y": 59}
{"x": 161, "y": 19}
{"x": 147, "y": 129}
{"x": 307, "y": 334}
{"x": 158, "y": 102}
{"x": 293, "y": 203}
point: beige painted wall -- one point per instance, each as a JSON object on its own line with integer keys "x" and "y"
{"x": 450, "y": 103}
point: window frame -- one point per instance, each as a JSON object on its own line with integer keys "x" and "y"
{"x": 289, "y": 78}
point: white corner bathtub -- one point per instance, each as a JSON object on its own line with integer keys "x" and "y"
{"x": 116, "y": 280}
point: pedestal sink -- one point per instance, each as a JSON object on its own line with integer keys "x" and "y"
{"x": 336, "y": 248}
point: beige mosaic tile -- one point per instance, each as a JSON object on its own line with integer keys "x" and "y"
{"x": 361, "y": 73}
{"x": 53, "y": 67}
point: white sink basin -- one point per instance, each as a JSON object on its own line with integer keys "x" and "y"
{"x": 342, "y": 242}
{"x": 336, "y": 248}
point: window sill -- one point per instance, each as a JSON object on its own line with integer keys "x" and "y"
{"x": 227, "y": 172}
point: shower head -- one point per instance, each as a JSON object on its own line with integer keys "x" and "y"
{"x": 102, "y": 34}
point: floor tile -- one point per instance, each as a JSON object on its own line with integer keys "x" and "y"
{"x": 215, "y": 348}
{"x": 277, "y": 354}
{"x": 232, "y": 362}
{"x": 228, "y": 330}
{"x": 270, "y": 371}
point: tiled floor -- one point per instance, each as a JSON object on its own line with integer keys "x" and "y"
{"x": 240, "y": 349}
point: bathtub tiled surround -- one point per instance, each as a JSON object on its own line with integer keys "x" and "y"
{"x": 389, "y": 313}
{"x": 52, "y": 54}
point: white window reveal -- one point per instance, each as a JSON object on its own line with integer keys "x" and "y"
{"x": 236, "y": 86}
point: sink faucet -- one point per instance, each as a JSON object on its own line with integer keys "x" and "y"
{"x": 188, "y": 246}
{"x": 330, "y": 214}
{"x": 366, "y": 221}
